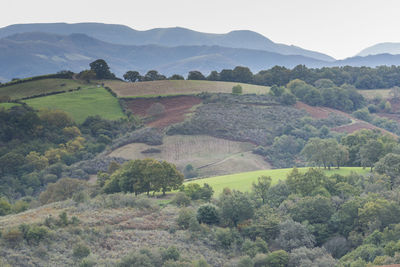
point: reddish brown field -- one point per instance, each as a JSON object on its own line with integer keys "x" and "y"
{"x": 356, "y": 125}
{"x": 176, "y": 108}
{"x": 315, "y": 112}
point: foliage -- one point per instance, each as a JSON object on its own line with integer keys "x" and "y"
{"x": 237, "y": 90}
{"x": 195, "y": 191}
{"x": 139, "y": 176}
{"x": 61, "y": 190}
{"x": 102, "y": 70}
{"x": 208, "y": 214}
{"x": 236, "y": 207}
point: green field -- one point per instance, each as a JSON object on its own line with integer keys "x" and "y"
{"x": 8, "y": 105}
{"x": 243, "y": 181}
{"x": 28, "y": 89}
{"x": 178, "y": 87}
{"x": 81, "y": 104}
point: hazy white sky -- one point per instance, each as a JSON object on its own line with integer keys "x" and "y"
{"x": 340, "y": 28}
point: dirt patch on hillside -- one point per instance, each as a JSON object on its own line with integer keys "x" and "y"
{"x": 356, "y": 125}
{"x": 320, "y": 112}
{"x": 350, "y": 128}
{"x": 176, "y": 109}
{"x": 315, "y": 112}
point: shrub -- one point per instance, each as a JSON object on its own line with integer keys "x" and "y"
{"x": 225, "y": 237}
{"x": 181, "y": 199}
{"x": 185, "y": 217}
{"x": 237, "y": 89}
{"x": 36, "y": 233}
{"x": 61, "y": 190}
{"x": 5, "y": 207}
{"x": 208, "y": 214}
{"x": 171, "y": 253}
{"x": 80, "y": 251}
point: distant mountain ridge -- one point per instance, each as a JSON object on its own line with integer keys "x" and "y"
{"x": 381, "y": 48}
{"x": 171, "y": 37}
{"x": 38, "y": 53}
{"x": 30, "y": 54}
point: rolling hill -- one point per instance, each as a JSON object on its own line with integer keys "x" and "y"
{"x": 171, "y": 37}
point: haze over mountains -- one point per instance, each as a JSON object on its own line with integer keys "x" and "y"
{"x": 35, "y": 49}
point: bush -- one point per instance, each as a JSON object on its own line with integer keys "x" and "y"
{"x": 61, "y": 190}
{"x": 208, "y": 214}
{"x": 81, "y": 251}
{"x": 237, "y": 89}
{"x": 185, "y": 217}
{"x": 181, "y": 199}
{"x": 171, "y": 253}
{"x": 5, "y": 207}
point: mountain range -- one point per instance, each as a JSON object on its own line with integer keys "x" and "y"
{"x": 35, "y": 49}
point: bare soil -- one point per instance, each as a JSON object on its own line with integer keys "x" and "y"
{"x": 176, "y": 109}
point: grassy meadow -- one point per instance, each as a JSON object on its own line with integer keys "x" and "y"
{"x": 8, "y": 105}
{"x": 45, "y": 86}
{"x": 243, "y": 181}
{"x": 81, "y": 104}
{"x": 178, "y": 87}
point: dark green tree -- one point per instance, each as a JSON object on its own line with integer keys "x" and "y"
{"x": 132, "y": 76}
{"x": 102, "y": 70}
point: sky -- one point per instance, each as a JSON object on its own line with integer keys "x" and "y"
{"x": 339, "y": 28}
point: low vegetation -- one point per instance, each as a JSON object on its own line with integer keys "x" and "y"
{"x": 81, "y": 104}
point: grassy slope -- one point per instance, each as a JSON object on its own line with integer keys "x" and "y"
{"x": 243, "y": 181}
{"x": 81, "y": 104}
{"x": 33, "y": 88}
{"x": 181, "y": 87}
{"x": 7, "y": 105}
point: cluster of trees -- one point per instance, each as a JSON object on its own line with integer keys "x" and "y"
{"x": 142, "y": 176}
{"x": 37, "y": 146}
{"x": 359, "y": 77}
{"x": 363, "y": 148}
{"x": 310, "y": 219}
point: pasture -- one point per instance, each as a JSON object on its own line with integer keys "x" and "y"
{"x": 243, "y": 181}
{"x": 8, "y": 105}
{"x": 39, "y": 87}
{"x": 81, "y": 104}
{"x": 211, "y": 156}
{"x": 178, "y": 87}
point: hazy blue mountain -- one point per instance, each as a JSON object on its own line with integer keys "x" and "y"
{"x": 369, "y": 61}
{"x": 381, "y": 48}
{"x": 29, "y": 54}
{"x": 172, "y": 37}
{"x": 36, "y": 53}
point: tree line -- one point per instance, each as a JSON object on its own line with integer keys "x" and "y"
{"x": 359, "y": 77}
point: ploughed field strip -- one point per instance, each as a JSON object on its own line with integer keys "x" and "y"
{"x": 178, "y": 87}
{"x": 175, "y": 109}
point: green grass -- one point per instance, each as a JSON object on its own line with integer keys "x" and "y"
{"x": 33, "y": 88}
{"x": 178, "y": 87}
{"x": 243, "y": 181}
{"x": 8, "y": 105}
{"x": 81, "y": 104}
